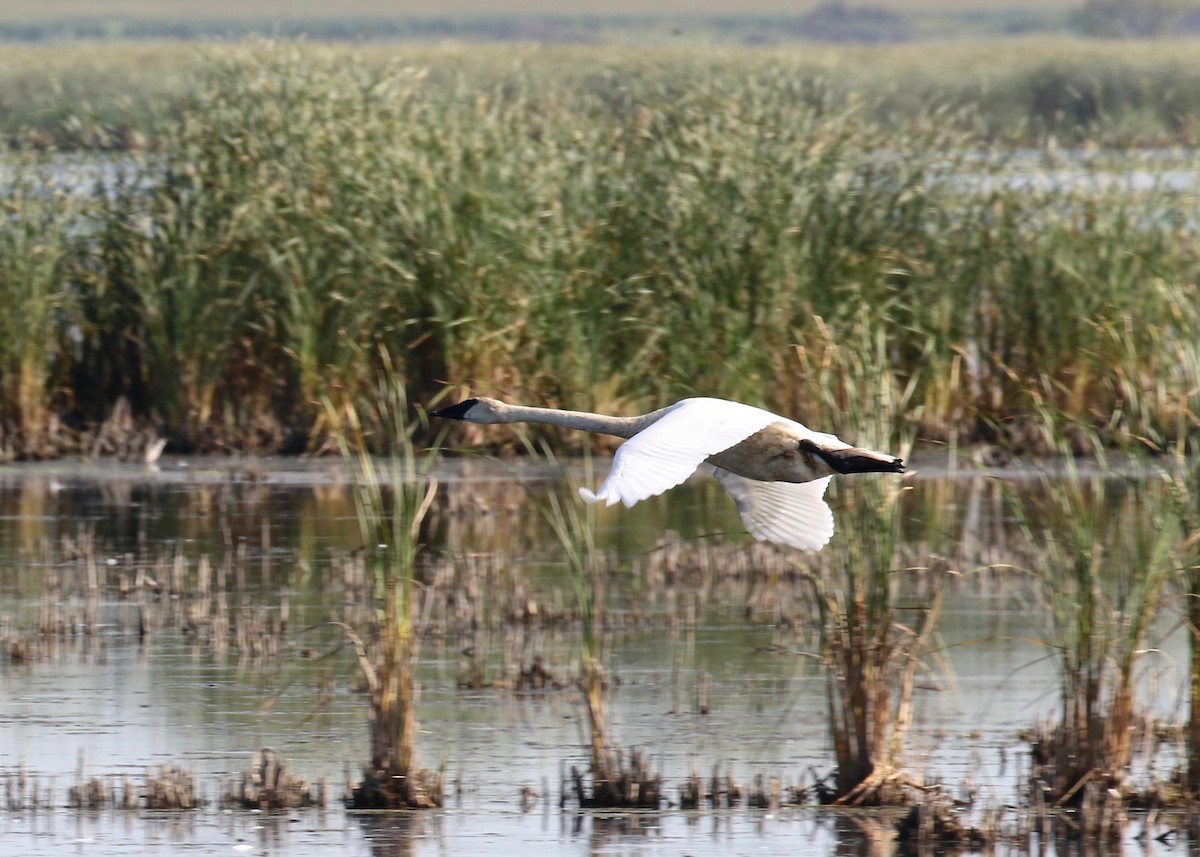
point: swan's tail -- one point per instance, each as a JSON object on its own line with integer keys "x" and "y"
{"x": 608, "y": 498}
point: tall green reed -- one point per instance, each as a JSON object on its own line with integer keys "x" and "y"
{"x": 1185, "y": 473}
{"x": 574, "y": 525}
{"x": 610, "y": 238}
{"x": 1188, "y": 492}
{"x": 35, "y": 253}
{"x": 873, "y": 647}
{"x": 391, "y": 504}
{"x": 614, "y": 782}
{"x": 1104, "y": 587}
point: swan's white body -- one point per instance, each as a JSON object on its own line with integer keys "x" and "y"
{"x": 775, "y": 469}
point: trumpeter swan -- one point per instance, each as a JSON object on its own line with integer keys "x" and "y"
{"x": 775, "y": 469}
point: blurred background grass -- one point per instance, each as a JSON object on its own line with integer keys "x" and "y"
{"x": 579, "y": 21}
{"x": 961, "y": 237}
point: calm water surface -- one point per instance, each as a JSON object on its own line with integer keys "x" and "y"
{"x": 110, "y": 704}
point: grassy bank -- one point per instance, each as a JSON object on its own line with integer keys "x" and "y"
{"x": 608, "y": 231}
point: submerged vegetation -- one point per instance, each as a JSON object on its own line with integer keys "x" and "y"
{"x": 603, "y": 231}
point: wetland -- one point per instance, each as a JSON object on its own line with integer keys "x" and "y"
{"x": 180, "y": 617}
{"x": 983, "y": 260}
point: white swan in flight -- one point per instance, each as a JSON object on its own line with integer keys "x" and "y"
{"x": 775, "y": 469}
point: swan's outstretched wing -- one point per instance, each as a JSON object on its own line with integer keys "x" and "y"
{"x": 785, "y": 513}
{"x": 664, "y": 455}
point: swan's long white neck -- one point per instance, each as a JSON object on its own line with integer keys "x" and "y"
{"x": 488, "y": 411}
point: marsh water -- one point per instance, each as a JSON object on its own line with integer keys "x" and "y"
{"x": 707, "y": 670}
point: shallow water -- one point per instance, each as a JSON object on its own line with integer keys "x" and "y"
{"x": 109, "y": 703}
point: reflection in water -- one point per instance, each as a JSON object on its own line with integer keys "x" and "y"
{"x": 182, "y": 617}
{"x": 859, "y": 834}
{"x": 397, "y": 834}
{"x": 607, "y": 830}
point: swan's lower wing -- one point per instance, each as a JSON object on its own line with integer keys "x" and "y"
{"x": 666, "y": 453}
{"x": 785, "y": 513}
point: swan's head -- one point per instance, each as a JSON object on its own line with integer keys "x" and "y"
{"x": 481, "y": 410}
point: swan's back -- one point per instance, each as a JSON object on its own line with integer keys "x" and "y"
{"x": 667, "y": 452}
{"x": 735, "y": 436}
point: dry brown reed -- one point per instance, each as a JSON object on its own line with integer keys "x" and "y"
{"x": 267, "y": 784}
{"x": 691, "y": 790}
{"x": 165, "y": 787}
{"x": 23, "y": 792}
{"x": 153, "y": 590}
{"x": 123, "y": 436}
{"x": 93, "y": 794}
{"x": 615, "y": 780}
{"x": 170, "y": 787}
{"x": 618, "y": 782}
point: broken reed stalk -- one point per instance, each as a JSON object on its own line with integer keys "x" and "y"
{"x": 390, "y": 514}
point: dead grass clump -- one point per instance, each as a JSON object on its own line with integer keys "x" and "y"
{"x": 169, "y": 787}
{"x": 92, "y": 794}
{"x": 23, "y": 792}
{"x": 724, "y": 791}
{"x": 767, "y": 793}
{"x": 381, "y": 789}
{"x": 932, "y": 823}
{"x": 18, "y": 649}
{"x": 692, "y": 791}
{"x": 124, "y": 436}
{"x": 773, "y": 792}
{"x": 260, "y": 633}
{"x": 1074, "y": 789}
{"x": 536, "y": 677}
{"x": 268, "y": 784}
{"x": 619, "y": 785}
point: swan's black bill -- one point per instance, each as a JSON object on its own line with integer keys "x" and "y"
{"x": 456, "y": 412}
{"x": 846, "y": 461}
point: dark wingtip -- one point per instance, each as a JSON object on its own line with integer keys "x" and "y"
{"x": 456, "y": 412}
